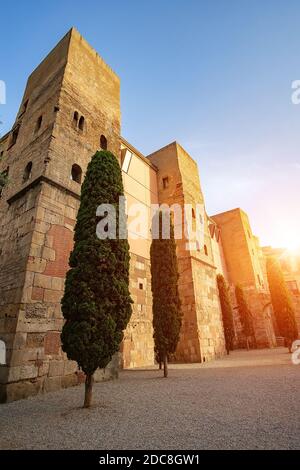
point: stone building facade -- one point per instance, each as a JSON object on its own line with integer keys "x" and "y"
{"x": 244, "y": 263}
{"x": 70, "y": 109}
{"x": 290, "y": 265}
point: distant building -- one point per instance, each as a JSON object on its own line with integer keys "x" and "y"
{"x": 290, "y": 264}
{"x": 245, "y": 266}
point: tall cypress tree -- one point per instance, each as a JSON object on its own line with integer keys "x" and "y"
{"x": 227, "y": 312}
{"x": 167, "y": 315}
{"x": 96, "y": 303}
{"x": 244, "y": 313}
{"x": 282, "y": 302}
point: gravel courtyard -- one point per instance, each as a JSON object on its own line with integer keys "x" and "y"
{"x": 249, "y": 400}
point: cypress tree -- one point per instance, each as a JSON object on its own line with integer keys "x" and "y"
{"x": 96, "y": 302}
{"x": 282, "y": 302}
{"x": 244, "y": 313}
{"x": 167, "y": 315}
{"x": 227, "y": 312}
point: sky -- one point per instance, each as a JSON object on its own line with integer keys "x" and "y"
{"x": 215, "y": 75}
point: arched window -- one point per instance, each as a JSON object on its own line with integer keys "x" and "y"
{"x": 205, "y": 250}
{"x": 76, "y": 173}
{"x": 39, "y": 123}
{"x": 81, "y": 123}
{"x": 193, "y": 213}
{"x": 2, "y": 352}
{"x": 75, "y": 119}
{"x": 103, "y": 142}
{"x": 27, "y": 172}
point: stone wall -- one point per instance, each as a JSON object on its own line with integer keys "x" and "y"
{"x": 296, "y": 303}
{"x": 138, "y": 344}
{"x": 262, "y": 317}
{"x": 35, "y": 360}
{"x": 240, "y": 249}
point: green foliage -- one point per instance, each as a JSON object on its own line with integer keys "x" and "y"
{"x": 227, "y": 312}
{"x": 167, "y": 315}
{"x": 281, "y": 301}
{"x": 96, "y": 303}
{"x": 244, "y": 312}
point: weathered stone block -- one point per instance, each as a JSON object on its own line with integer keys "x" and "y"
{"x": 40, "y": 280}
{"x": 69, "y": 380}
{"x": 23, "y": 372}
{"x": 52, "y": 342}
{"x": 20, "y": 340}
{"x": 51, "y": 384}
{"x": 37, "y": 293}
{"x": 56, "y": 368}
{"x": 52, "y": 296}
{"x": 70, "y": 367}
{"x": 36, "y": 310}
{"x": 20, "y": 390}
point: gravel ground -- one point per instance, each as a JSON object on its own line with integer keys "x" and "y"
{"x": 249, "y": 400}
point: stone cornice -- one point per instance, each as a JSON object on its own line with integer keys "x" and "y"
{"x": 42, "y": 179}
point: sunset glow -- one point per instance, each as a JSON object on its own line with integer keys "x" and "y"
{"x": 292, "y": 245}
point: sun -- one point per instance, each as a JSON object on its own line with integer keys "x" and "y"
{"x": 292, "y": 245}
{"x": 289, "y": 239}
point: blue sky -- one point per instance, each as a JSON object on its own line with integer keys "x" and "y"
{"x": 214, "y": 75}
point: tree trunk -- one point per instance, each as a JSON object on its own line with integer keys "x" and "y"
{"x": 247, "y": 341}
{"x": 165, "y": 365}
{"x": 289, "y": 343}
{"x": 160, "y": 365}
{"x": 89, "y": 381}
{"x": 227, "y": 349}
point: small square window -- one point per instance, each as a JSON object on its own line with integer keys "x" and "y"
{"x": 165, "y": 182}
{"x": 38, "y": 123}
{"x": 14, "y": 135}
{"x": 25, "y": 106}
{"x": 141, "y": 287}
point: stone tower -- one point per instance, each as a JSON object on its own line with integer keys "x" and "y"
{"x": 70, "y": 108}
{"x": 244, "y": 267}
{"x": 202, "y": 334}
